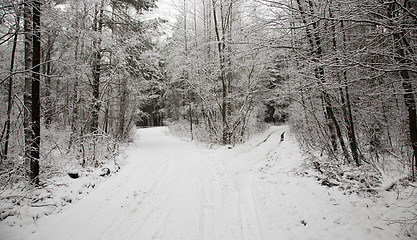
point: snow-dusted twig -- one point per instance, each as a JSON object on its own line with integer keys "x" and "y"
{"x": 43, "y": 205}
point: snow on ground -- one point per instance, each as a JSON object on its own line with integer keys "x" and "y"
{"x": 173, "y": 189}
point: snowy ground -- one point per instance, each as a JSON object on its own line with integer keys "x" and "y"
{"x": 174, "y": 189}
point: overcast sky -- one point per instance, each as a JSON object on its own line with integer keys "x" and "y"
{"x": 166, "y": 10}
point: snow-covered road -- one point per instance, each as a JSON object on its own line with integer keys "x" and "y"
{"x": 174, "y": 189}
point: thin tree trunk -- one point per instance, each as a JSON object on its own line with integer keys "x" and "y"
{"x": 107, "y": 113}
{"x": 75, "y": 101}
{"x": 123, "y": 108}
{"x": 343, "y": 101}
{"x": 190, "y": 112}
{"x": 47, "y": 72}
{"x": 351, "y": 126}
{"x": 10, "y": 95}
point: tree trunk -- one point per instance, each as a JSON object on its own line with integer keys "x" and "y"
{"x": 97, "y": 27}
{"x": 403, "y": 48}
{"x": 47, "y": 68}
{"x": 410, "y": 103}
{"x": 107, "y": 113}
{"x": 75, "y": 101}
{"x": 36, "y": 104}
{"x": 10, "y": 95}
{"x": 221, "y": 47}
{"x": 345, "y": 100}
{"x": 351, "y": 126}
{"x": 190, "y": 114}
{"x": 123, "y": 108}
{"x": 27, "y": 93}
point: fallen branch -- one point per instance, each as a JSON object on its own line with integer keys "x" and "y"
{"x": 389, "y": 186}
{"x": 11, "y": 196}
{"x": 266, "y": 139}
{"x": 43, "y": 205}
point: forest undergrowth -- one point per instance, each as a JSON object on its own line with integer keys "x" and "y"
{"x": 202, "y": 133}
{"x": 386, "y": 180}
{"x": 70, "y": 168}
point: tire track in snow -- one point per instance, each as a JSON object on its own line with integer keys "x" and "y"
{"x": 160, "y": 175}
{"x": 133, "y": 208}
{"x": 248, "y": 214}
{"x": 205, "y": 213}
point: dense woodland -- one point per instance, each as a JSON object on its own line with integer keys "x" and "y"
{"x": 78, "y": 76}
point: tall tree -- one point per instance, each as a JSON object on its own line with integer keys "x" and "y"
{"x": 36, "y": 103}
{"x": 402, "y": 12}
{"x": 6, "y": 132}
{"x": 96, "y": 102}
{"x": 27, "y": 93}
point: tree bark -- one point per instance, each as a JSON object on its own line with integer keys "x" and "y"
{"x": 47, "y": 68}
{"x": 123, "y": 108}
{"x": 221, "y": 47}
{"x": 27, "y": 93}
{"x": 97, "y": 27}
{"x": 36, "y": 104}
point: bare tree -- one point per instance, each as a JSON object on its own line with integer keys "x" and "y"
{"x": 36, "y": 103}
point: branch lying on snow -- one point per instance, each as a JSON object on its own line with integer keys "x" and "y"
{"x": 266, "y": 139}
{"x": 11, "y": 196}
{"x": 19, "y": 197}
{"x": 391, "y": 184}
{"x": 43, "y": 205}
{"x": 5, "y": 213}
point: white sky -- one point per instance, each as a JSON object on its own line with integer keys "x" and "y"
{"x": 166, "y": 10}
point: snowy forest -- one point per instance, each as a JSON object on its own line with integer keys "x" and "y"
{"x": 79, "y": 77}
